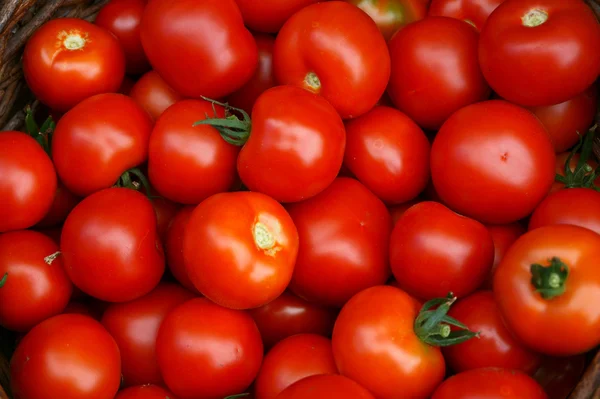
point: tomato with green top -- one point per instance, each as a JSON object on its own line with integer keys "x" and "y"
{"x": 391, "y": 15}
{"x": 474, "y": 12}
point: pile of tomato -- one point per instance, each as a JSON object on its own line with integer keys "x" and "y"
{"x": 304, "y": 199}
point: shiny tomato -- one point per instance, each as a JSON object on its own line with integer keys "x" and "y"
{"x": 495, "y": 169}
{"x": 199, "y": 47}
{"x": 145, "y": 392}
{"x": 539, "y": 286}
{"x": 70, "y": 356}
{"x": 68, "y": 60}
{"x": 63, "y": 203}
{"x": 153, "y": 94}
{"x": 435, "y": 70}
{"x": 344, "y": 234}
{"x": 76, "y": 307}
{"x": 511, "y": 56}
{"x": 335, "y": 50}
{"x": 503, "y": 235}
{"x": 475, "y": 12}
{"x": 391, "y": 15}
{"x": 572, "y": 178}
{"x": 328, "y": 386}
{"x": 559, "y": 375}
{"x": 269, "y": 15}
{"x": 388, "y": 153}
{"x": 111, "y": 247}
{"x": 398, "y": 210}
{"x": 174, "y": 247}
{"x": 165, "y": 211}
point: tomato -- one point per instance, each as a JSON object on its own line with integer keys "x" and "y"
{"x": 503, "y": 235}
{"x": 145, "y": 392}
{"x": 165, "y": 211}
{"x": 490, "y": 383}
{"x": 36, "y": 286}
{"x": 475, "y": 12}
{"x": 153, "y": 94}
{"x": 110, "y": 245}
{"x": 391, "y": 15}
{"x": 291, "y": 360}
{"x": 199, "y": 47}
{"x": 388, "y": 153}
{"x": 516, "y": 67}
{"x": 137, "y": 344}
{"x": 344, "y": 234}
{"x": 435, "y": 70}
{"x": 28, "y": 183}
{"x": 208, "y": 351}
{"x": 68, "y": 60}
{"x": 70, "y": 356}
{"x": 559, "y": 376}
{"x": 76, "y": 307}
{"x": 63, "y": 203}
{"x": 289, "y": 315}
{"x": 398, "y": 210}
{"x": 335, "y": 50}
{"x": 123, "y": 18}
{"x": 269, "y": 15}
{"x": 98, "y": 140}
{"x": 174, "y": 247}
{"x": 495, "y": 169}
{"x": 325, "y": 386}
{"x": 561, "y": 162}
{"x": 539, "y": 286}
{"x": 126, "y": 86}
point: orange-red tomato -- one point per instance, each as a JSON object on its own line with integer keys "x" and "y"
{"x": 145, "y": 392}
{"x": 503, "y": 235}
{"x": 269, "y": 15}
{"x": 174, "y": 247}
{"x": 63, "y": 203}
{"x": 391, "y": 15}
{"x": 328, "y": 386}
{"x": 475, "y": 12}
{"x": 153, "y": 94}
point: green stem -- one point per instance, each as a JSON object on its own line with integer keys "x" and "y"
{"x": 3, "y": 280}
{"x": 232, "y": 129}
{"x": 550, "y": 281}
{"x": 43, "y": 135}
{"x": 126, "y": 180}
{"x": 582, "y": 175}
{"x": 239, "y": 395}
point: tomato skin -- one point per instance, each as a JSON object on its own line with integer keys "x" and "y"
{"x": 494, "y": 169}
{"x": 98, "y": 140}
{"x": 179, "y": 40}
{"x": 388, "y": 153}
{"x": 331, "y": 274}
{"x": 63, "y": 203}
{"x": 559, "y": 376}
{"x": 28, "y": 183}
{"x": 573, "y": 323}
{"x": 475, "y": 12}
{"x": 34, "y": 290}
{"x": 303, "y": 48}
{"x": 55, "y": 355}
{"x": 268, "y": 16}
{"x": 145, "y": 392}
{"x": 174, "y": 247}
{"x": 503, "y": 235}
{"x": 330, "y": 386}
{"x": 61, "y": 78}
{"x": 391, "y": 15}
{"x": 566, "y": 67}
{"x": 153, "y": 94}
{"x": 208, "y": 351}
{"x": 111, "y": 247}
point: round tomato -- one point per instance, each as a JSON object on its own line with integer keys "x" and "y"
{"x": 200, "y": 48}
{"x": 494, "y": 169}
{"x": 559, "y": 375}
{"x": 574, "y": 176}
{"x": 391, "y": 15}
{"x": 76, "y": 307}
{"x": 503, "y": 235}
{"x": 63, "y": 203}
{"x": 153, "y": 94}
{"x": 174, "y": 247}
{"x": 344, "y": 235}
{"x": 540, "y": 53}
{"x": 111, "y": 247}
{"x": 329, "y": 386}
{"x": 70, "y": 356}
{"x": 435, "y": 70}
{"x": 398, "y": 210}
{"x": 388, "y": 153}
{"x": 539, "y": 286}
{"x": 334, "y": 49}
{"x": 145, "y": 392}
{"x": 269, "y": 15}
{"x": 165, "y": 211}
{"x": 68, "y": 60}
{"x": 475, "y": 12}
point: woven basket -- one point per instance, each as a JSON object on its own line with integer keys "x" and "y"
{"x": 20, "y": 18}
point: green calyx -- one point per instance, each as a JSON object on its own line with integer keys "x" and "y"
{"x": 583, "y": 175}
{"x": 550, "y": 281}
{"x": 3, "y": 280}
{"x": 240, "y": 395}
{"x": 134, "y": 179}
{"x": 43, "y": 134}
{"x": 233, "y": 130}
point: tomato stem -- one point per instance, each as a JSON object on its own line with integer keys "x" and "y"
{"x": 43, "y": 135}
{"x": 51, "y": 258}
{"x": 3, "y": 280}
{"x": 126, "y": 181}
{"x": 239, "y": 395}
{"x": 550, "y": 281}
{"x": 583, "y": 175}
{"x": 232, "y": 129}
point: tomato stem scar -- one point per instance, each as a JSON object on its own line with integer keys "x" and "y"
{"x": 51, "y": 258}
{"x": 74, "y": 41}
{"x": 550, "y": 280}
{"x": 312, "y": 81}
{"x": 534, "y": 17}
{"x": 263, "y": 238}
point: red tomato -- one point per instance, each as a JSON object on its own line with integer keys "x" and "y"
{"x": 511, "y": 56}
{"x": 134, "y": 326}
{"x": 435, "y": 70}
{"x": 340, "y": 255}
{"x": 561, "y": 161}
{"x": 546, "y": 282}
{"x": 70, "y": 356}
{"x": 123, "y": 18}
{"x": 495, "y": 169}
{"x": 391, "y": 15}
{"x": 559, "y": 376}
{"x": 85, "y": 309}
{"x": 174, "y": 247}
{"x": 36, "y": 286}
{"x": 388, "y": 153}
{"x": 325, "y": 386}
{"x": 434, "y": 251}
{"x": 269, "y": 15}
{"x": 98, "y": 140}
{"x": 490, "y": 383}
{"x": 398, "y": 210}
{"x": 165, "y": 211}
{"x": 288, "y": 315}
{"x": 335, "y": 50}
{"x": 68, "y": 60}
{"x": 110, "y": 245}
{"x": 208, "y": 351}
{"x": 475, "y": 12}
{"x": 199, "y": 47}
{"x": 153, "y": 94}
{"x": 63, "y": 203}
{"x": 145, "y": 392}
{"x": 503, "y": 235}
{"x": 28, "y": 183}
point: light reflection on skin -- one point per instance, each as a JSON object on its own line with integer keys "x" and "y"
{"x": 447, "y": 63}
{"x": 218, "y": 352}
{"x": 190, "y": 149}
{"x": 72, "y": 369}
{"x": 106, "y": 140}
{"x": 22, "y": 183}
{"x": 304, "y": 143}
{"x": 38, "y": 284}
{"x": 376, "y": 340}
{"x": 336, "y": 247}
{"x": 344, "y": 49}
{"x": 386, "y": 153}
{"x": 143, "y": 329}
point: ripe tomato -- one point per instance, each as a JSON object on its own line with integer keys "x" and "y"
{"x": 539, "y": 286}
{"x": 63, "y": 203}
{"x": 573, "y": 178}
{"x": 434, "y": 251}
{"x": 435, "y": 70}
{"x": 559, "y": 375}
{"x": 475, "y": 12}
{"x": 335, "y": 50}
{"x": 398, "y": 210}
{"x": 99, "y": 139}
{"x": 344, "y": 235}
{"x": 325, "y": 386}
{"x": 165, "y": 210}
{"x": 28, "y": 183}
{"x": 153, "y": 94}
{"x": 199, "y": 47}
{"x": 123, "y": 18}
{"x": 388, "y": 153}
{"x": 503, "y": 235}
{"x": 173, "y": 244}
{"x": 208, "y": 351}
{"x": 68, "y": 60}
{"x": 391, "y": 15}
{"x": 76, "y": 307}
{"x": 70, "y": 356}
{"x": 511, "y": 56}
{"x": 145, "y": 392}
{"x": 240, "y": 248}
{"x": 110, "y": 245}
{"x": 269, "y": 15}
{"x": 495, "y": 169}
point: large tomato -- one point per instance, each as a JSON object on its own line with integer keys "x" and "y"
{"x": 475, "y": 12}
{"x": 503, "y": 235}
{"x": 398, "y": 210}
{"x": 495, "y": 169}
{"x": 153, "y": 94}
{"x": 269, "y": 15}
{"x": 199, "y": 47}
{"x": 328, "y": 386}
{"x": 173, "y": 244}
{"x": 145, "y": 392}
{"x": 536, "y": 52}
{"x": 68, "y": 60}
{"x": 165, "y": 211}
{"x": 334, "y": 49}
{"x": 391, "y": 15}
{"x": 63, "y": 203}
